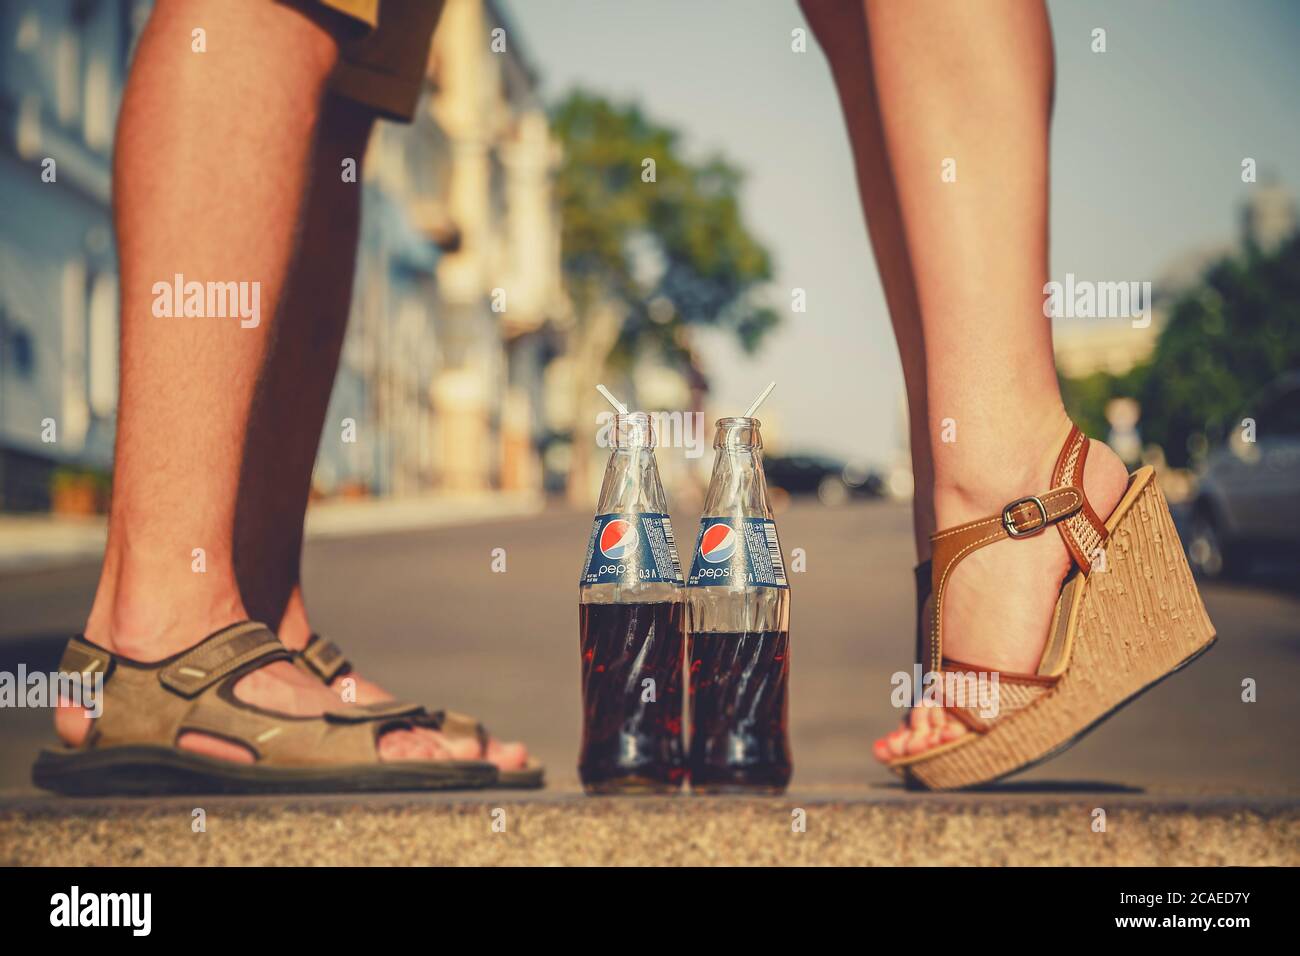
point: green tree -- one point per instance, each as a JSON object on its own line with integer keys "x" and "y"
{"x": 666, "y": 254}
{"x": 1227, "y": 337}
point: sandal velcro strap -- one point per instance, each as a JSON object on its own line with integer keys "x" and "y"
{"x": 458, "y": 726}
{"x": 82, "y": 657}
{"x": 324, "y": 659}
{"x": 234, "y": 648}
{"x": 381, "y": 710}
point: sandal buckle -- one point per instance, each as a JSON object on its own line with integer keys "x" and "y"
{"x": 1009, "y": 521}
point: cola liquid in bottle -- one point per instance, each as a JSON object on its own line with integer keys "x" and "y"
{"x": 632, "y": 626}
{"x": 738, "y": 621}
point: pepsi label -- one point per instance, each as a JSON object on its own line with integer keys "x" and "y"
{"x": 631, "y": 549}
{"x": 737, "y": 552}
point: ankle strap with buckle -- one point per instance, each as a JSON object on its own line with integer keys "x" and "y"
{"x": 1065, "y": 506}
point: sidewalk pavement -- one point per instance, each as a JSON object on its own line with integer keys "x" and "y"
{"x": 869, "y": 826}
{"x": 42, "y": 542}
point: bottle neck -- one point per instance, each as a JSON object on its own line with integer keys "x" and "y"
{"x": 738, "y": 487}
{"x": 632, "y": 484}
{"x": 632, "y": 430}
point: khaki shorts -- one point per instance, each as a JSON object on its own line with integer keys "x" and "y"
{"x": 383, "y": 65}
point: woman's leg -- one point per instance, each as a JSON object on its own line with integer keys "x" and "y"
{"x": 841, "y": 30}
{"x": 965, "y": 94}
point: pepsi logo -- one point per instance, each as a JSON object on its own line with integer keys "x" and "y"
{"x": 618, "y": 540}
{"x": 718, "y": 543}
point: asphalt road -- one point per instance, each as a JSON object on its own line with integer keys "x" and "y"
{"x": 424, "y": 613}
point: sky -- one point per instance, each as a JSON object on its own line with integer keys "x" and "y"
{"x": 1148, "y": 140}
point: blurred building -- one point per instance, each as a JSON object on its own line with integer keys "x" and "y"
{"x": 62, "y": 66}
{"x": 458, "y": 305}
{"x": 1085, "y": 346}
{"x": 1268, "y": 217}
{"x": 504, "y": 312}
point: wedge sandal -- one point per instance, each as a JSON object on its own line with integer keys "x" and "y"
{"x": 326, "y": 661}
{"x": 132, "y": 746}
{"x": 1128, "y": 615}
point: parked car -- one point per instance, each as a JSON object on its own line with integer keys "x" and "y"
{"x": 831, "y": 481}
{"x": 1248, "y": 502}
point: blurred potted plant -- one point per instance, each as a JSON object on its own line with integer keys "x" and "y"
{"x": 79, "y": 491}
{"x": 353, "y": 490}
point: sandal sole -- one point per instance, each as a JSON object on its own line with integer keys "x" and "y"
{"x": 531, "y": 777}
{"x": 156, "y": 771}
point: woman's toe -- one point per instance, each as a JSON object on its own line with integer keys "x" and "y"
{"x": 917, "y": 730}
{"x": 924, "y": 729}
{"x": 922, "y": 719}
{"x": 952, "y": 729}
{"x": 897, "y": 742}
{"x": 941, "y": 728}
{"x": 918, "y": 741}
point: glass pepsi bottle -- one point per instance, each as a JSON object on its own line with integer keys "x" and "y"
{"x": 631, "y": 627}
{"x": 738, "y": 621}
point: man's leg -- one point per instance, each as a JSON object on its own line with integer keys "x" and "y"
{"x": 209, "y": 178}
{"x": 289, "y": 408}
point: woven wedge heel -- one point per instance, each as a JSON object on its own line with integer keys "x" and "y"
{"x": 1129, "y": 615}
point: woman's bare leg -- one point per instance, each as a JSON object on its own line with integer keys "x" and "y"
{"x": 842, "y": 32}
{"x": 972, "y": 84}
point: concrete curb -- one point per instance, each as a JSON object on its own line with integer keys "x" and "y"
{"x": 970, "y": 830}
{"x": 30, "y": 543}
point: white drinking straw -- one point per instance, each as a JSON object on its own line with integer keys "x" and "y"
{"x": 622, "y": 409}
{"x": 759, "y": 401}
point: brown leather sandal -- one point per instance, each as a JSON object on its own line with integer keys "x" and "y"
{"x": 326, "y": 661}
{"x": 1121, "y": 625}
{"x": 131, "y": 748}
